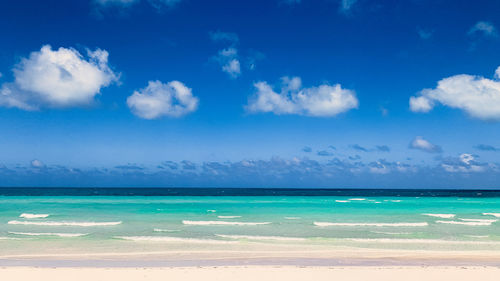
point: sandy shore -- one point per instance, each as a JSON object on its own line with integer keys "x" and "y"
{"x": 251, "y": 273}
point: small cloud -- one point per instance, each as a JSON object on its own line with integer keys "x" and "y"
{"x": 320, "y": 101}
{"x": 485, "y": 28}
{"x": 486, "y": 147}
{"x": 291, "y": 2}
{"x": 129, "y": 167}
{"x": 307, "y": 149}
{"x": 423, "y": 34}
{"x": 172, "y": 99}
{"x": 383, "y": 148}
{"x": 421, "y": 144}
{"x": 324, "y": 153}
{"x": 465, "y": 163}
{"x": 225, "y": 37}
{"x": 355, "y": 157}
{"x": 332, "y": 147}
{"x": 359, "y": 148}
{"x": 188, "y": 165}
{"x": 37, "y": 164}
{"x": 170, "y": 164}
{"x": 346, "y": 5}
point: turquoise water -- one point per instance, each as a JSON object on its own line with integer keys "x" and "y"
{"x": 98, "y": 224}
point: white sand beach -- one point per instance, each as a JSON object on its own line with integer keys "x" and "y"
{"x": 251, "y": 273}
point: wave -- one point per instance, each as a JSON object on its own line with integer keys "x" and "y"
{"x": 222, "y": 223}
{"x": 49, "y": 234}
{"x": 342, "y": 201}
{"x": 292, "y": 218}
{"x": 252, "y": 237}
{"x": 173, "y": 239}
{"x": 443, "y": 216}
{"x": 478, "y": 236}
{"x": 479, "y": 220}
{"x": 211, "y": 211}
{"x": 419, "y": 241}
{"x": 397, "y": 224}
{"x": 492, "y": 214}
{"x": 470, "y": 223}
{"x": 165, "y": 230}
{"x": 33, "y": 216}
{"x": 55, "y": 223}
{"x": 228, "y": 217}
{"x": 357, "y": 199}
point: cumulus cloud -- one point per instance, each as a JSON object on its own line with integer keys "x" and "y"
{"x": 37, "y": 164}
{"x": 172, "y": 99}
{"x": 229, "y": 61}
{"x": 477, "y": 96}
{"x": 465, "y": 163}
{"x": 321, "y": 101}
{"x": 57, "y": 79}
{"x": 483, "y": 27}
{"x": 421, "y": 144}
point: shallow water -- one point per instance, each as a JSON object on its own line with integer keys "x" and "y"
{"x": 114, "y": 224}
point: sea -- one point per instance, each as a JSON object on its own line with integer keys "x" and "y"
{"x": 45, "y": 222}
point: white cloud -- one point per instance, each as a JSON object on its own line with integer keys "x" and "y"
{"x": 37, "y": 163}
{"x": 321, "y": 101}
{"x": 57, "y": 79}
{"x": 173, "y": 99}
{"x": 478, "y": 96}
{"x": 228, "y": 59}
{"x": 421, "y": 144}
{"x": 484, "y": 27}
{"x": 465, "y": 163}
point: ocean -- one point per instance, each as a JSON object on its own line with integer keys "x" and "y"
{"x": 91, "y": 221}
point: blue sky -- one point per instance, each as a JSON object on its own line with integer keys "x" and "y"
{"x": 276, "y": 93}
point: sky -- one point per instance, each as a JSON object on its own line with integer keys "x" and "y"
{"x": 275, "y": 93}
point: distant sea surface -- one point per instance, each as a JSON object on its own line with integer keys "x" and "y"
{"x": 78, "y": 221}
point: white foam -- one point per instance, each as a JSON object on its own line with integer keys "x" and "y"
{"x": 469, "y": 223}
{"x": 357, "y": 199}
{"x": 222, "y": 223}
{"x": 252, "y": 237}
{"x": 167, "y": 239}
{"x": 397, "y": 224}
{"x": 228, "y": 217}
{"x": 395, "y": 201}
{"x": 69, "y": 223}
{"x": 292, "y": 218}
{"x": 165, "y": 230}
{"x": 49, "y": 234}
{"x": 211, "y": 211}
{"x": 479, "y": 220}
{"x": 443, "y": 216}
{"x": 33, "y": 216}
{"x": 419, "y": 241}
{"x": 492, "y": 214}
{"x": 342, "y": 201}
